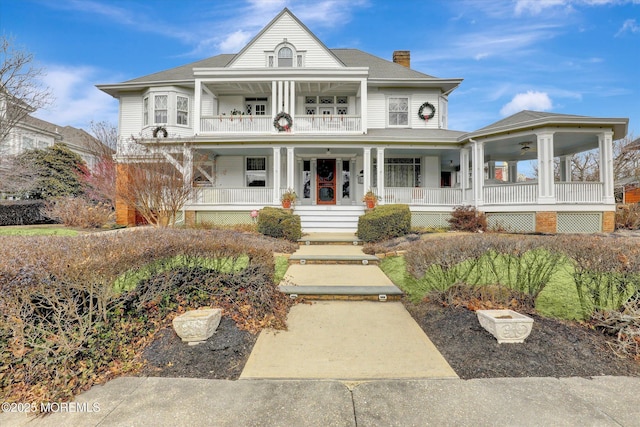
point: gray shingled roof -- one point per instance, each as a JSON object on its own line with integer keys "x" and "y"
{"x": 378, "y": 67}
{"x": 524, "y": 117}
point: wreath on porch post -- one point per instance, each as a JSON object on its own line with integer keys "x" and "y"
{"x": 428, "y": 116}
{"x": 287, "y": 125}
{"x": 160, "y": 130}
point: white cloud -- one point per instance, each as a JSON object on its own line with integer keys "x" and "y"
{"x": 76, "y": 100}
{"x": 629, "y": 25}
{"x": 536, "y": 6}
{"x": 530, "y": 100}
{"x": 235, "y": 41}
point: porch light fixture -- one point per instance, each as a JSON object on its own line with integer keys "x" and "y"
{"x": 526, "y": 147}
{"x": 328, "y": 151}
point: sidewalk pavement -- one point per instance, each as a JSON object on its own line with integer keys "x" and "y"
{"x": 158, "y": 402}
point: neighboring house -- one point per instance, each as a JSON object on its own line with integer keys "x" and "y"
{"x": 288, "y": 112}
{"x": 32, "y": 133}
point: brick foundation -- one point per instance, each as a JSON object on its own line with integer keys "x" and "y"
{"x": 125, "y": 215}
{"x": 608, "y": 222}
{"x": 546, "y": 222}
{"x": 190, "y": 218}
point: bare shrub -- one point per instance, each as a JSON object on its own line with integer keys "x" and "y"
{"x": 606, "y": 271}
{"x": 628, "y": 217}
{"x": 624, "y": 326}
{"x": 79, "y": 212}
{"x": 63, "y": 326}
{"x": 467, "y": 218}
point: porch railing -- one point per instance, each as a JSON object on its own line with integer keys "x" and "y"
{"x": 327, "y": 124}
{"x": 233, "y": 196}
{"x": 423, "y": 196}
{"x": 236, "y": 124}
{"x": 510, "y": 194}
{"x": 578, "y": 192}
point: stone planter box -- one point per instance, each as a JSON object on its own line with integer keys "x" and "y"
{"x": 196, "y": 326}
{"x": 507, "y": 326}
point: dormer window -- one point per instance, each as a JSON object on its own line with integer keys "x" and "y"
{"x": 285, "y": 57}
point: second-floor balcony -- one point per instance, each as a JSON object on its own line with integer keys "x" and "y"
{"x": 245, "y": 124}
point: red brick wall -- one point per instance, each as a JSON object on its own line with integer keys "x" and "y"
{"x": 631, "y": 195}
{"x": 546, "y": 222}
{"x": 124, "y": 214}
{"x": 608, "y": 222}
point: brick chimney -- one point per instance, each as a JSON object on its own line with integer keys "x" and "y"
{"x": 402, "y": 57}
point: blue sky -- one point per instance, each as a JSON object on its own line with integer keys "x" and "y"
{"x": 565, "y": 56}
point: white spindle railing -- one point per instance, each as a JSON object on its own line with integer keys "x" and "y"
{"x": 236, "y": 124}
{"x": 423, "y": 196}
{"x": 326, "y": 124}
{"x": 578, "y": 192}
{"x": 233, "y": 196}
{"x": 510, "y": 194}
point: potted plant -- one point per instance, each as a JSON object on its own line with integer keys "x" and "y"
{"x": 370, "y": 199}
{"x": 288, "y": 198}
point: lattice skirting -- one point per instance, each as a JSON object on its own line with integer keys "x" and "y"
{"x": 579, "y": 222}
{"x": 514, "y": 222}
{"x": 224, "y": 217}
{"x": 430, "y": 219}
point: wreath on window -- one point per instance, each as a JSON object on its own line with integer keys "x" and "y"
{"x": 160, "y": 130}
{"x": 428, "y": 116}
{"x": 287, "y": 125}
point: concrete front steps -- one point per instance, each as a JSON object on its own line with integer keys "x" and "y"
{"x": 334, "y": 267}
{"x": 329, "y": 218}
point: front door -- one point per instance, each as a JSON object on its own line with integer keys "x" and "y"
{"x": 326, "y": 182}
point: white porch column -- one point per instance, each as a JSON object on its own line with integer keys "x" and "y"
{"x": 290, "y": 167}
{"x": 491, "y": 169}
{"x": 513, "y": 171}
{"x": 187, "y": 167}
{"x": 380, "y": 174}
{"x": 546, "y": 185}
{"x": 477, "y": 165}
{"x": 314, "y": 183}
{"x": 363, "y": 105}
{"x": 280, "y": 101}
{"x": 292, "y": 99}
{"x": 464, "y": 169}
{"x": 276, "y": 175}
{"x": 285, "y": 98}
{"x": 353, "y": 180}
{"x": 366, "y": 160}
{"x": 565, "y": 168}
{"x": 339, "y": 180}
{"x": 197, "y": 107}
{"x": 605, "y": 143}
{"x": 274, "y": 99}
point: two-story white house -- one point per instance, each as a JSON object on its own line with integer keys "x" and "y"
{"x": 286, "y": 112}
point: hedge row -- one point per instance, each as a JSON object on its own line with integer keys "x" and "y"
{"x": 384, "y": 222}
{"x": 23, "y": 212}
{"x": 280, "y": 223}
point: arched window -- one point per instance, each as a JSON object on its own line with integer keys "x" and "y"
{"x": 285, "y": 57}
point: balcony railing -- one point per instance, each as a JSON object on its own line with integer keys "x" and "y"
{"x": 578, "y": 192}
{"x": 233, "y": 196}
{"x": 423, "y": 196}
{"x": 507, "y": 194}
{"x": 264, "y": 124}
{"x": 327, "y": 124}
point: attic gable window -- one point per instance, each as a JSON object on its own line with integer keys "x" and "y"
{"x": 285, "y": 57}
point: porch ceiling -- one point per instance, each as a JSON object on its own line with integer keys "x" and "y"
{"x": 258, "y": 88}
{"x": 509, "y": 148}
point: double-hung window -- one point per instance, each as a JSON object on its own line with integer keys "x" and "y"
{"x": 145, "y": 111}
{"x": 399, "y": 111}
{"x": 160, "y": 109}
{"x": 182, "y": 110}
{"x": 256, "y": 171}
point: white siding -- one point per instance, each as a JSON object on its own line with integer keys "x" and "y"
{"x": 376, "y": 110}
{"x": 228, "y": 103}
{"x": 131, "y": 115}
{"x": 430, "y": 172}
{"x": 230, "y": 171}
{"x": 419, "y": 98}
{"x": 286, "y": 27}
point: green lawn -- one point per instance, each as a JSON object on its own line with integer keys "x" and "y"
{"x": 559, "y": 299}
{"x": 37, "y": 231}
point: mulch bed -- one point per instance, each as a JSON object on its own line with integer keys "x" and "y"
{"x": 554, "y": 349}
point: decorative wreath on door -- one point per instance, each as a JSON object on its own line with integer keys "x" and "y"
{"x": 287, "y": 125}
{"x": 160, "y": 130}
{"x": 428, "y": 116}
